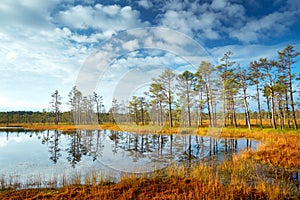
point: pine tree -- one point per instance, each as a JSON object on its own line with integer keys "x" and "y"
{"x": 286, "y": 60}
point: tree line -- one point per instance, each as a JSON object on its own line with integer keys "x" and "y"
{"x": 211, "y": 95}
{"x": 221, "y": 94}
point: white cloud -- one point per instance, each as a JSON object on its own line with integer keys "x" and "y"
{"x": 273, "y": 24}
{"x": 218, "y": 4}
{"x": 207, "y": 21}
{"x": 145, "y": 4}
{"x": 131, "y": 45}
{"x": 104, "y": 19}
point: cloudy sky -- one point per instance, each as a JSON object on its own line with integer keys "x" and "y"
{"x": 119, "y": 45}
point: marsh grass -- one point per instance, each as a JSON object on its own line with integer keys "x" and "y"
{"x": 238, "y": 178}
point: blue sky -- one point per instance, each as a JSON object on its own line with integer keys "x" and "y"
{"x": 46, "y": 45}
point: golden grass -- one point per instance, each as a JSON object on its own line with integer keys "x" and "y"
{"x": 241, "y": 131}
{"x": 283, "y": 151}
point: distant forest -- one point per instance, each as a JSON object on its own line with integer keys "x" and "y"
{"x": 211, "y": 96}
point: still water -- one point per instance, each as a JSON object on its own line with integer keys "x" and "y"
{"x": 27, "y": 157}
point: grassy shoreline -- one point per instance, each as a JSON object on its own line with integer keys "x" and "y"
{"x": 261, "y": 174}
{"x": 241, "y": 131}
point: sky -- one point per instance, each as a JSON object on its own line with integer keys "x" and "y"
{"x": 116, "y": 47}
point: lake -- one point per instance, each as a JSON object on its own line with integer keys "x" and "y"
{"x": 28, "y": 158}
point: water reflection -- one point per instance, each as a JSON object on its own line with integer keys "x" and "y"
{"x": 134, "y": 147}
{"x": 54, "y": 152}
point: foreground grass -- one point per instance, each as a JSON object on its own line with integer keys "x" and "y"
{"x": 239, "y": 178}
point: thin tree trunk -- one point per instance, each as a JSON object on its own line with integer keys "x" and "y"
{"x": 200, "y": 108}
{"x": 291, "y": 96}
{"x": 280, "y": 114}
{"x": 170, "y": 115}
{"x": 258, "y": 107}
{"x": 224, "y": 110}
{"x": 208, "y": 106}
{"x": 246, "y": 107}
{"x": 161, "y": 114}
{"x": 273, "y": 107}
{"x": 233, "y": 113}
{"x": 287, "y": 112}
{"x": 269, "y": 112}
{"x": 188, "y": 106}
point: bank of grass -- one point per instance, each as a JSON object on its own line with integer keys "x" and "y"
{"x": 240, "y": 132}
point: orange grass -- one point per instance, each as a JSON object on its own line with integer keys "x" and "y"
{"x": 144, "y": 189}
{"x": 232, "y": 179}
{"x": 283, "y": 151}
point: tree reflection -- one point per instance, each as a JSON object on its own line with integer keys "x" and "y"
{"x": 76, "y": 148}
{"x": 80, "y": 146}
{"x": 54, "y": 149}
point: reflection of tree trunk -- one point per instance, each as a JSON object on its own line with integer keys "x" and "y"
{"x": 53, "y": 146}
{"x": 171, "y": 145}
{"x": 190, "y": 146}
{"x": 216, "y": 146}
{"x": 136, "y": 143}
{"x": 249, "y": 143}
{"x": 142, "y": 143}
{"x": 210, "y": 146}
{"x": 161, "y": 144}
{"x": 235, "y": 145}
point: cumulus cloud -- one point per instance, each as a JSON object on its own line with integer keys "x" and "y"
{"x": 104, "y": 19}
{"x": 219, "y": 19}
{"x": 206, "y": 20}
{"x": 145, "y": 4}
{"x": 131, "y": 45}
{"x": 274, "y": 24}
